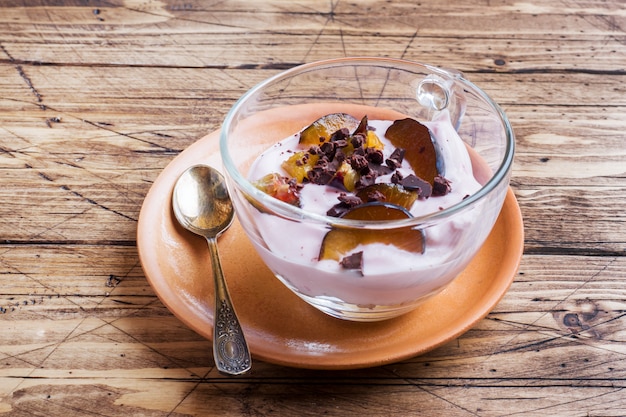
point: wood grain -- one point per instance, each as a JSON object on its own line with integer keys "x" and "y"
{"x": 96, "y": 98}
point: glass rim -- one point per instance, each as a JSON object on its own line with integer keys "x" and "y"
{"x": 291, "y": 212}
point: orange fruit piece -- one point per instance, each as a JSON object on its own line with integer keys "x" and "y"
{"x": 299, "y": 165}
{"x": 391, "y": 193}
{"x": 282, "y": 188}
{"x": 321, "y": 129}
{"x": 340, "y": 241}
{"x": 348, "y": 176}
{"x": 414, "y": 138}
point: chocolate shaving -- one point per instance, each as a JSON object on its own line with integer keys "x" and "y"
{"x": 395, "y": 159}
{"x": 379, "y": 170}
{"x": 359, "y": 163}
{"x": 414, "y": 183}
{"x": 375, "y": 156}
{"x": 337, "y": 210}
{"x": 349, "y": 200}
{"x": 340, "y": 135}
{"x": 358, "y": 140}
{"x": 340, "y": 143}
{"x": 365, "y": 181}
{"x": 353, "y": 261}
{"x": 346, "y": 202}
{"x": 303, "y": 160}
{"x": 320, "y": 175}
{"x": 441, "y": 186}
{"x": 396, "y": 177}
{"x": 340, "y": 156}
{"x": 328, "y": 149}
{"x": 374, "y": 195}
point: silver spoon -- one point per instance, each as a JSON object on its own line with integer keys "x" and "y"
{"x": 202, "y": 205}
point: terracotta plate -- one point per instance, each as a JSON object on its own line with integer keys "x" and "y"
{"x": 280, "y": 327}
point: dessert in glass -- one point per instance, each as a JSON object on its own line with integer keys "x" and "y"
{"x": 367, "y": 184}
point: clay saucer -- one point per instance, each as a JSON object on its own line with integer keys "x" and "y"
{"x": 283, "y": 329}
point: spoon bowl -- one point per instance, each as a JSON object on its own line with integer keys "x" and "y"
{"x": 202, "y": 205}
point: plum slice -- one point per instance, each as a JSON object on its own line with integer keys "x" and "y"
{"x": 415, "y": 139}
{"x": 339, "y": 242}
{"x": 388, "y": 193}
{"x": 322, "y": 129}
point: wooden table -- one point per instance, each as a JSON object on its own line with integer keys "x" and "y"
{"x": 96, "y": 98}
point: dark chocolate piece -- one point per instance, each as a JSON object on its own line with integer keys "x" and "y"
{"x": 374, "y": 155}
{"x": 353, "y": 261}
{"x": 349, "y": 200}
{"x": 328, "y": 149}
{"x": 396, "y": 177}
{"x": 358, "y": 140}
{"x": 340, "y": 135}
{"x": 441, "y": 186}
{"x": 359, "y": 163}
{"x": 337, "y": 210}
{"x": 395, "y": 159}
{"x": 379, "y": 170}
{"x": 346, "y": 202}
{"x": 340, "y": 143}
{"x": 374, "y": 195}
{"x": 320, "y": 175}
{"x": 365, "y": 181}
{"x": 414, "y": 183}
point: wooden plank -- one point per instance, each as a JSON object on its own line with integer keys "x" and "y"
{"x": 530, "y": 41}
{"x": 574, "y": 55}
{"x": 96, "y": 167}
{"x": 115, "y": 349}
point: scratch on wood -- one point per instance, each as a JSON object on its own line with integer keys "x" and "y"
{"x": 163, "y": 135}
{"x": 270, "y": 66}
{"x": 95, "y": 203}
{"x": 123, "y": 302}
{"x": 423, "y": 388}
{"x": 331, "y": 17}
{"x": 7, "y": 151}
{"x": 105, "y": 126}
{"x": 331, "y": 14}
{"x": 174, "y": 360}
{"x": 29, "y": 83}
{"x": 343, "y": 42}
{"x": 68, "y": 164}
{"x": 45, "y": 177}
{"x": 4, "y": 50}
{"x": 408, "y": 45}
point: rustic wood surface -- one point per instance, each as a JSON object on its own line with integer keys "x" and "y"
{"x": 97, "y": 97}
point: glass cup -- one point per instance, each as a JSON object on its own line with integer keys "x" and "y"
{"x": 288, "y": 238}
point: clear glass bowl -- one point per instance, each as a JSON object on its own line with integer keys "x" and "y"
{"x": 288, "y": 238}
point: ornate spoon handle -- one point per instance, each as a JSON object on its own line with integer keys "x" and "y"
{"x": 230, "y": 349}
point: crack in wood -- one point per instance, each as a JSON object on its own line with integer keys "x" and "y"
{"x": 30, "y": 85}
{"x": 107, "y": 128}
{"x": 95, "y": 203}
{"x": 69, "y": 242}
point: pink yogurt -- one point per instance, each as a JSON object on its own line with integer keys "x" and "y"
{"x": 390, "y": 276}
